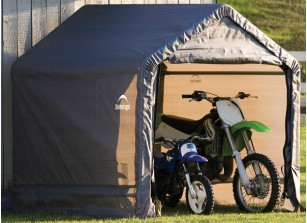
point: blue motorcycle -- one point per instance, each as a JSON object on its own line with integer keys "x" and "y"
{"x": 178, "y": 168}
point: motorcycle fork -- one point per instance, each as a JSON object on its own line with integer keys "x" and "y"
{"x": 249, "y": 146}
{"x": 250, "y": 150}
{"x": 236, "y": 155}
{"x": 187, "y": 177}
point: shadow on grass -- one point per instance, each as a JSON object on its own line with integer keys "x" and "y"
{"x": 7, "y": 216}
{"x": 182, "y": 209}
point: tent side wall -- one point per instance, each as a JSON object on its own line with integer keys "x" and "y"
{"x": 25, "y": 23}
{"x": 77, "y": 124}
{"x": 70, "y": 167}
{"x": 75, "y": 127}
{"x": 292, "y": 143}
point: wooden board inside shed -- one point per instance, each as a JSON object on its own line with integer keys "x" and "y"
{"x": 265, "y": 81}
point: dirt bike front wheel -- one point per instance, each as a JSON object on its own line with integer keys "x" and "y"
{"x": 204, "y": 201}
{"x": 265, "y": 185}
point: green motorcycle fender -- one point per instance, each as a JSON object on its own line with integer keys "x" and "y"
{"x": 237, "y": 130}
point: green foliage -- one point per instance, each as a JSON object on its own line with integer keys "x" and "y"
{"x": 303, "y": 164}
{"x": 284, "y": 21}
{"x": 303, "y": 71}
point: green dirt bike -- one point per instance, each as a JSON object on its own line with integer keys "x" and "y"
{"x": 223, "y": 134}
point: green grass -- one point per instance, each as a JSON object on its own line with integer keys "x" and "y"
{"x": 303, "y": 165}
{"x": 222, "y": 214}
{"x": 284, "y": 21}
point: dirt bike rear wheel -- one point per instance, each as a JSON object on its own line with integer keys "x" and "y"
{"x": 265, "y": 186}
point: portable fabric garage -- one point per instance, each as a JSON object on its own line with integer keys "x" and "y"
{"x": 84, "y": 101}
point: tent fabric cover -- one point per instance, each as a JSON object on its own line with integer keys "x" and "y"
{"x": 84, "y": 99}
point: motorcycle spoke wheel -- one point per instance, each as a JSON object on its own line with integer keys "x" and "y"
{"x": 265, "y": 185}
{"x": 262, "y": 188}
{"x": 204, "y": 201}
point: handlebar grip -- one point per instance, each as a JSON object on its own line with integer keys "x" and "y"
{"x": 242, "y": 95}
{"x": 187, "y": 96}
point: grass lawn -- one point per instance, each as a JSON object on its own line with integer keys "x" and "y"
{"x": 222, "y": 214}
{"x": 303, "y": 165}
{"x": 275, "y": 18}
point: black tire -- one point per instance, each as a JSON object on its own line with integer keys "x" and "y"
{"x": 267, "y": 193}
{"x": 202, "y": 184}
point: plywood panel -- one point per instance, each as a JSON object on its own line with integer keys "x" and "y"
{"x": 269, "y": 108}
{"x": 224, "y": 68}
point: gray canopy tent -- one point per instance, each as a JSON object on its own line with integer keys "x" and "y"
{"x": 84, "y": 102}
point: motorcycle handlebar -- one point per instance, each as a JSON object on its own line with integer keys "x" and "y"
{"x": 242, "y": 95}
{"x": 200, "y": 95}
{"x": 163, "y": 140}
{"x": 187, "y": 96}
{"x": 196, "y": 96}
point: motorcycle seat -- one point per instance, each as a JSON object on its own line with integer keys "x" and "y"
{"x": 187, "y": 126}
